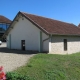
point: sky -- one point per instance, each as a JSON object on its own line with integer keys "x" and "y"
{"x": 62, "y": 10}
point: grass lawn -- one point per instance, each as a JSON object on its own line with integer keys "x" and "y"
{"x": 52, "y": 67}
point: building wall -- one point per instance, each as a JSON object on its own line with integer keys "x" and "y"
{"x": 57, "y": 45}
{"x": 25, "y": 30}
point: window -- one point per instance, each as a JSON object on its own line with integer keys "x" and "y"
{"x": 7, "y": 25}
{"x": 65, "y": 44}
{"x": 3, "y": 26}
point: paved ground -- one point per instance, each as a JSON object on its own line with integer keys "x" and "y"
{"x": 11, "y": 59}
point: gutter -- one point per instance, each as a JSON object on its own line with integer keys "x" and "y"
{"x": 56, "y": 34}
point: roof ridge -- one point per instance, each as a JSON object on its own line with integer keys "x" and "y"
{"x": 48, "y": 18}
{"x": 50, "y": 26}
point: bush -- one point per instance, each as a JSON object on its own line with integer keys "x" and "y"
{"x": 15, "y": 76}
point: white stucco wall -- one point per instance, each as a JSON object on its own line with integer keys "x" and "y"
{"x": 57, "y": 45}
{"x": 25, "y": 30}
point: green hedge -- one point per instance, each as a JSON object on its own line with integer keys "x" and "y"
{"x": 15, "y": 76}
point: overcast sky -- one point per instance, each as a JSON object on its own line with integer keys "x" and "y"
{"x": 63, "y": 10}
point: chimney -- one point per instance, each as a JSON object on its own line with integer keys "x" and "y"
{"x": 79, "y": 25}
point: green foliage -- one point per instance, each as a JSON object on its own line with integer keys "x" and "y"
{"x": 15, "y": 76}
{"x": 52, "y": 67}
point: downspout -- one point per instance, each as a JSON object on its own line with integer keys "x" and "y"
{"x": 40, "y": 42}
{"x": 50, "y": 41}
{"x": 45, "y": 40}
{"x": 10, "y": 41}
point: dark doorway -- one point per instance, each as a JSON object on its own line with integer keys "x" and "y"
{"x": 23, "y": 44}
{"x": 65, "y": 44}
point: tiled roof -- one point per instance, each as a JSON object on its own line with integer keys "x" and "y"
{"x": 52, "y": 26}
{"x": 4, "y": 19}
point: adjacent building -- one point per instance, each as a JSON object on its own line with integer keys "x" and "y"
{"x": 4, "y": 24}
{"x": 36, "y": 33}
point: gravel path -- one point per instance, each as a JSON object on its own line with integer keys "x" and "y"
{"x": 11, "y": 59}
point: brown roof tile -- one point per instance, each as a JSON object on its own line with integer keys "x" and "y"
{"x": 4, "y": 19}
{"x": 53, "y": 26}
